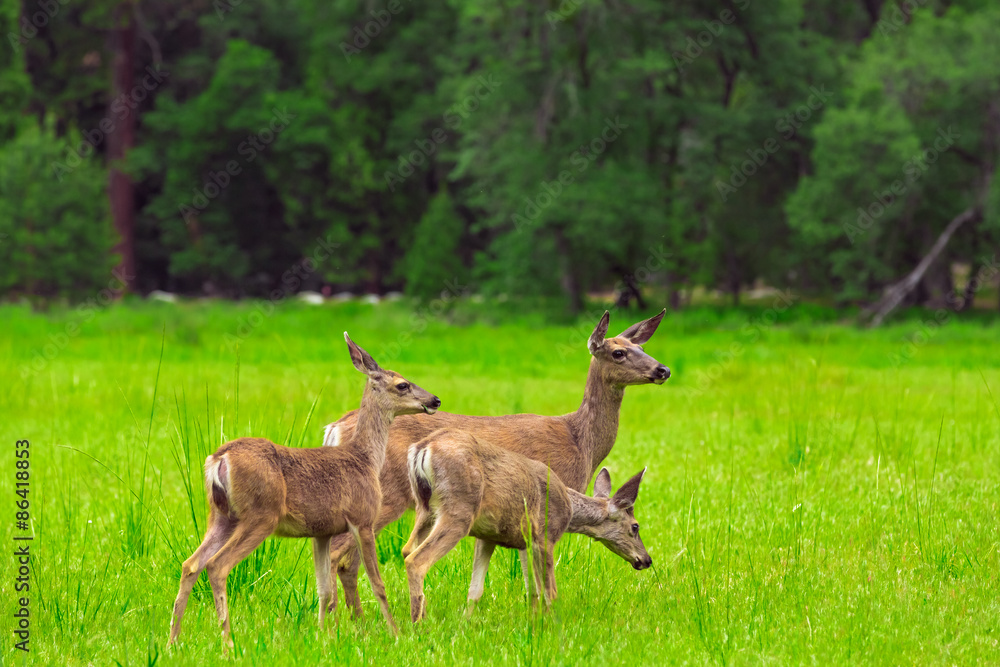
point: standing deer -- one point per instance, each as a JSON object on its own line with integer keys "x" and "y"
{"x": 257, "y": 488}
{"x": 572, "y": 445}
{"x": 465, "y": 487}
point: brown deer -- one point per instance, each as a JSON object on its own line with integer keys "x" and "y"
{"x": 257, "y": 488}
{"x": 465, "y": 487}
{"x": 573, "y": 445}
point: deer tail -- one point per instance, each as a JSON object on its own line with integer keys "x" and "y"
{"x": 217, "y": 482}
{"x": 421, "y": 473}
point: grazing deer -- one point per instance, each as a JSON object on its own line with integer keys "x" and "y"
{"x": 572, "y": 445}
{"x": 465, "y": 487}
{"x": 257, "y": 488}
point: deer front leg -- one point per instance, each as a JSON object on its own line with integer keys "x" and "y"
{"x": 480, "y": 564}
{"x": 365, "y": 538}
{"x": 344, "y": 559}
{"x": 325, "y": 583}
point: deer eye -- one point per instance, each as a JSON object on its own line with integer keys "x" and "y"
{"x": 402, "y": 386}
{"x": 618, "y": 354}
{"x": 635, "y": 529}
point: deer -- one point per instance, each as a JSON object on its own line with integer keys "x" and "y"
{"x": 257, "y": 488}
{"x": 465, "y": 486}
{"x": 573, "y": 445}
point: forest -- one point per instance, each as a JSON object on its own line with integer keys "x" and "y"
{"x": 844, "y": 149}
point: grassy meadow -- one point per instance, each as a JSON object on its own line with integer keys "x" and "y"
{"x": 816, "y": 493}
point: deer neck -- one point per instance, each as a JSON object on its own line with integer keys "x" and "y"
{"x": 372, "y": 432}
{"x": 596, "y": 420}
{"x": 588, "y": 513}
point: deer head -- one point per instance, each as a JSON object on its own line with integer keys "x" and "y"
{"x": 618, "y": 530}
{"x": 392, "y": 389}
{"x": 621, "y": 360}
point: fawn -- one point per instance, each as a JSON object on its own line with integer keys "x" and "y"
{"x": 256, "y": 488}
{"x": 574, "y": 445}
{"x": 465, "y": 486}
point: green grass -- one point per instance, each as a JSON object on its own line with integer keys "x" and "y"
{"x": 818, "y": 497}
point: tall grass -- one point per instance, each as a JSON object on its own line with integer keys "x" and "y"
{"x": 810, "y": 502}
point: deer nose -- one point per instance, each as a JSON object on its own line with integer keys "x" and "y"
{"x": 662, "y": 372}
{"x": 435, "y": 404}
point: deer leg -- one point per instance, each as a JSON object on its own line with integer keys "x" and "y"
{"x": 344, "y": 554}
{"x": 324, "y": 580}
{"x": 245, "y": 538}
{"x": 422, "y": 525}
{"x": 538, "y": 561}
{"x": 344, "y": 557}
{"x": 480, "y": 564}
{"x": 530, "y": 590}
{"x": 365, "y": 538}
{"x": 219, "y": 530}
{"x": 443, "y": 538}
{"x": 550, "y": 572}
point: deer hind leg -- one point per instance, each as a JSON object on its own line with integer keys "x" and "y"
{"x": 540, "y": 570}
{"x": 220, "y": 528}
{"x": 325, "y": 582}
{"x": 480, "y": 564}
{"x": 244, "y": 539}
{"x": 530, "y": 590}
{"x": 365, "y": 538}
{"x": 422, "y": 525}
{"x": 446, "y": 533}
{"x": 550, "y": 572}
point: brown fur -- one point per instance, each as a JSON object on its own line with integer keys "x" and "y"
{"x": 573, "y": 445}
{"x": 505, "y": 499}
{"x": 257, "y": 488}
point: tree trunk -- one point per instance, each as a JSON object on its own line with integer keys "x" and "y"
{"x": 895, "y": 294}
{"x": 120, "y": 190}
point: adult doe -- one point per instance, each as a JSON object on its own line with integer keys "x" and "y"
{"x": 465, "y": 486}
{"x": 257, "y": 488}
{"x": 574, "y": 445}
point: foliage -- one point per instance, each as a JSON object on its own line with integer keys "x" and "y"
{"x": 55, "y": 234}
{"x": 582, "y": 145}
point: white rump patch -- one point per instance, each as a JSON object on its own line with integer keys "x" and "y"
{"x": 331, "y": 435}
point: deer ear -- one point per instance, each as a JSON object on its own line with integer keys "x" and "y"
{"x": 602, "y": 485}
{"x": 626, "y": 494}
{"x": 361, "y": 359}
{"x": 640, "y": 332}
{"x": 597, "y": 338}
